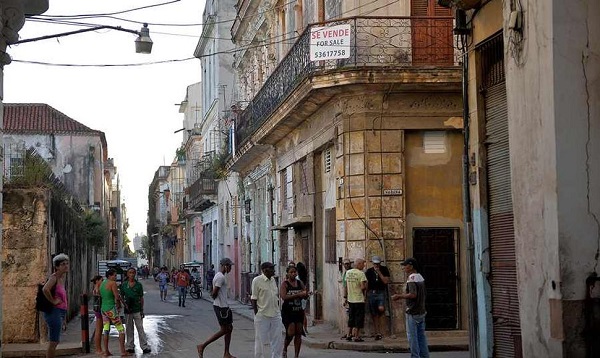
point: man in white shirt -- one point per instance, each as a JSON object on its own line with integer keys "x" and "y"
{"x": 220, "y": 287}
{"x": 267, "y": 314}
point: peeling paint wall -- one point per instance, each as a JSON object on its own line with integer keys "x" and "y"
{"x": 554, "y": 104}
{"x": 77, "y": 160}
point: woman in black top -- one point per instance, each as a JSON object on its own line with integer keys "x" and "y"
{"x": 292, "y": 291}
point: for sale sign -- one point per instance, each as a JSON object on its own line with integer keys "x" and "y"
{"x": 330, "y": 43}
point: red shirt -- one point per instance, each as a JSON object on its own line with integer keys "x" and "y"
{"x": 183, "y": 279}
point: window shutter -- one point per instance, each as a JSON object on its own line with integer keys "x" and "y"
{"x": 330, "y": 236}
{"x": 419, "y": 7}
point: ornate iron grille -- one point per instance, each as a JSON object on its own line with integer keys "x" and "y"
{"x": 376, "y": 42}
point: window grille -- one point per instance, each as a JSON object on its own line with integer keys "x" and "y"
{"x": 327, "y": 160}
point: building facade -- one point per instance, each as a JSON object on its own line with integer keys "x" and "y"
{"x": 534, "y": 173}
{"x": 355, "y": 156}
{"x": 214, "y": 48}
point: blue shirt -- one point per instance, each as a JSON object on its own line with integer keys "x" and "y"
{"x": 162, "y": 278}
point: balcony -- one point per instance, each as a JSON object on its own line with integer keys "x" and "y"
{"x": 405, "y": 51}
{"x": 202, "y": 193}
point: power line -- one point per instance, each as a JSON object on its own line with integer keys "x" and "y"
{"x": 290, "y": 41}
{"x": 113, "y": 13}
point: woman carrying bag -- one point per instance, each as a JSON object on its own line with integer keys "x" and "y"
{"x": 55, "y": 319}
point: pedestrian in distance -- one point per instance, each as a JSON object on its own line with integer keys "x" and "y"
{"x": 292, "y": 292}
{"x": 173, "y": 277}
{"x": 221, "y": 308}
{"x": 182, "y": 281}
{"x": 96, "y": 306}
{"x": 268, "y": 326}
{"x": 163, "y": 283}
{"x": 378, "y": 278}
{"x": 415, "y": 309}
{"x": 111, "y": 305}
{"x": 354, "y": 296}
{"x": 55, "y": 292}
{"x": 210, "y": 274}
{"x": 132, "y": 292}
{"x": 347, "y": 266}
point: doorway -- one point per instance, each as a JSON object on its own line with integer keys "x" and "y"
{"x": 436, "y": 253}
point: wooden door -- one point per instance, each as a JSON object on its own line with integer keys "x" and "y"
{"x": 432, "y": 41}
{"x": 435, "y": 251}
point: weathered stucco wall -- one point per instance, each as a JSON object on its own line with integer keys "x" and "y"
{"x": 367, "y": 157}
{"x": 77, "y": 160}
{"x": 553, "y": 109}
{"x": 25, "y": 261}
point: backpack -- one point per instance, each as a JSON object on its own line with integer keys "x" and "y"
{"x": 41, "y": 302}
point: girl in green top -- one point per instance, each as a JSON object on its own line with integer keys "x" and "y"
{"x": 111, "y": 304}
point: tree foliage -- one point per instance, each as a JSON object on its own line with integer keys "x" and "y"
{"x": 95, "y": 230}
{"x": 146, "y": 250}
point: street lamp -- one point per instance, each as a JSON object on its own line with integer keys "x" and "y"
{"x": 143, "y": 43}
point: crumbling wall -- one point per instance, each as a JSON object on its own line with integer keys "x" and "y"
{"x": 25, "y": 261}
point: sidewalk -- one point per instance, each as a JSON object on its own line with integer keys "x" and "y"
{"x": 325, "y": 336}
{"x": 70, "y": 344}
{"x": 320, "y": 336}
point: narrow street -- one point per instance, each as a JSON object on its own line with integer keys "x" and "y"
{"x": 175, "y": 331}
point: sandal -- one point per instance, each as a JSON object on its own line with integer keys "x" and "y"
{"x": 358, "y": 339}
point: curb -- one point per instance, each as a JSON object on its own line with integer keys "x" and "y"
{"x": 39, "y": 350}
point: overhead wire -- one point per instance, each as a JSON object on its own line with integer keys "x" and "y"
{"x": 290, "y": 41}
{"x": 116, "y": 12}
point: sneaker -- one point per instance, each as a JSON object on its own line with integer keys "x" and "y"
{"x": 378, "y": 337}
{"x": 147, "y": 350}
{"x": 349, "y": 338}
{"x": 131, "y": 350}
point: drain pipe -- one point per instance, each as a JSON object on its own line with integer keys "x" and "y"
{"x": 468, "y": 221}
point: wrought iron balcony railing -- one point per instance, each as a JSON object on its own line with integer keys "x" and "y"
{"x": 376, "y": 42}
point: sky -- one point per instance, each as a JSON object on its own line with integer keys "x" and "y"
{"x": 135, "y": 106}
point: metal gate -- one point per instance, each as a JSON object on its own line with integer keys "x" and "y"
{"x": 435, "y": 251}
{"x": 505, "y": 302}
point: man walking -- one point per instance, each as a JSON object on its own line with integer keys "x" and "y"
{"x": 378, "y": 278}
{"x": 133, "y": 295}
{"x": 268, "y": 326}
{"x": 163, "y": 283}
{"x": 183, "y": 281}
{"x": 221, "y": 307}
{"x": 354, "y": 295}
{"x": 415, "y": 309}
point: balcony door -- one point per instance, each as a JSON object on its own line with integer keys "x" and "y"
{"x": 432, "y": 41}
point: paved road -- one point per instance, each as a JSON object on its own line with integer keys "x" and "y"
{"x": 175, "y": 331}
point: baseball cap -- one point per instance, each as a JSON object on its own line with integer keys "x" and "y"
{"x": 376, "y": 259}
{"x": 265, "y": 265}
{"x": 409, "y": 261}
{"x": 347, "y": 261}
{"x": 226, "y": 261}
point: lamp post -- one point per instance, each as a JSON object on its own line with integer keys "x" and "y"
{"x": 143, "y": 43}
